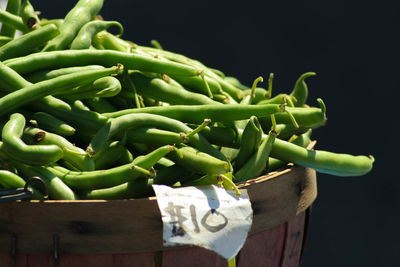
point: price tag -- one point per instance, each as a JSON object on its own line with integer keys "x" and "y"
{"x": 206, "y": 216}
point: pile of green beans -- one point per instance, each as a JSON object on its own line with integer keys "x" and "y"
{"x": 96, "y": 116}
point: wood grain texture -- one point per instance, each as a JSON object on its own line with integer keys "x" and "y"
{"x": 294, "y": 240}
{"x": 264, "y": 248}
{"x": 129, "y": 226}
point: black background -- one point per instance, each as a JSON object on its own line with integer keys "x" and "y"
{"x": 352, "y": 46}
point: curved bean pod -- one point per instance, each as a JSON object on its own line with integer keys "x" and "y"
{"x": 50, "y": 123}
{"x": 160, "y": 90}
{"x": 17, "y": 150}
{"x": 83, "y": 39}
{"x": 322, "y": 161}
{"x": 103, "y": 87}
{"x": 76, "y": 156}
{"x": 300, "y": 91}
{"x": 56, "y": 188}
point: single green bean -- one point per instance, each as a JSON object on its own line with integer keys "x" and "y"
{"x": 300, "y": 91}
{"x": 99, "y": 104}
{"x": 160, "y": 90}
{"x": 322, "y": 161}
{"x": 195, "y": 161}
{"x": 302, "y": 140}
{"x": 197, "y": 113}
{"x": 42, "y": 75}
{"x": 103, "y": 87}
{"x": 139, "y": 188}
{"x": 50, "y": 123}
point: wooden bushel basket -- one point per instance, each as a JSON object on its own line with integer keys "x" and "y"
{"x": 129, "y": 232}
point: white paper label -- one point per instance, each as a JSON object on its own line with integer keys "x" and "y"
{"x": 206, "y": 216}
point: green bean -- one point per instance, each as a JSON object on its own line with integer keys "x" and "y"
{"x": 27, "y": 42}
{"x": 76, "y": 156}
{"x": 122, "y": 123}
{"x": 255, "y": 166}
{"x": 302, "y": 140}
{"x": 154, "y": 137}
{"x": 305, "y": 117}
{"x": 102, "y": 87}
{"x": 87, "y": 121}
{"x": 42, "y": 75}
{"x": 4, "y": 40}
{"x": 10, "y": 180}
{"x": 99, "y": 104}
{"x": 250, "y": 142}
{"x": 172, "y": 174}
{"x": 57, "y": 22}
{"x": 38, "y": 90}
{"x": 160, "y": 90}
{"x": 81, "y": 13}
{"x": 29, "y": 15}
{"x": 199, "y": 162}
{"x": 13, "y": 21}
{"x": 140, "y": 188}
{"x": 56, "y": 188}
{"x": 322, "y": 161}
{"x": 83, "y": 40}
{"x": 12, "y": 7}
{"x": 105, "y": 40}
{"x": 110, "y": 156}
{"x": 17, "y": 150}
{"x": 235, "y": 82}
{"x": 50, "y": 123}
{"x": 68, "y": 58}
{"x": 85, "y": 181}
{"x": 197, "y": 113}
{"x": 222, "y": 84}
{"x": 300, "y": 91}
{"x": 221, "y": 136}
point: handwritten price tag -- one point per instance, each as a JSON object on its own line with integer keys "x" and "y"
{"x": 206, "y": 216}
